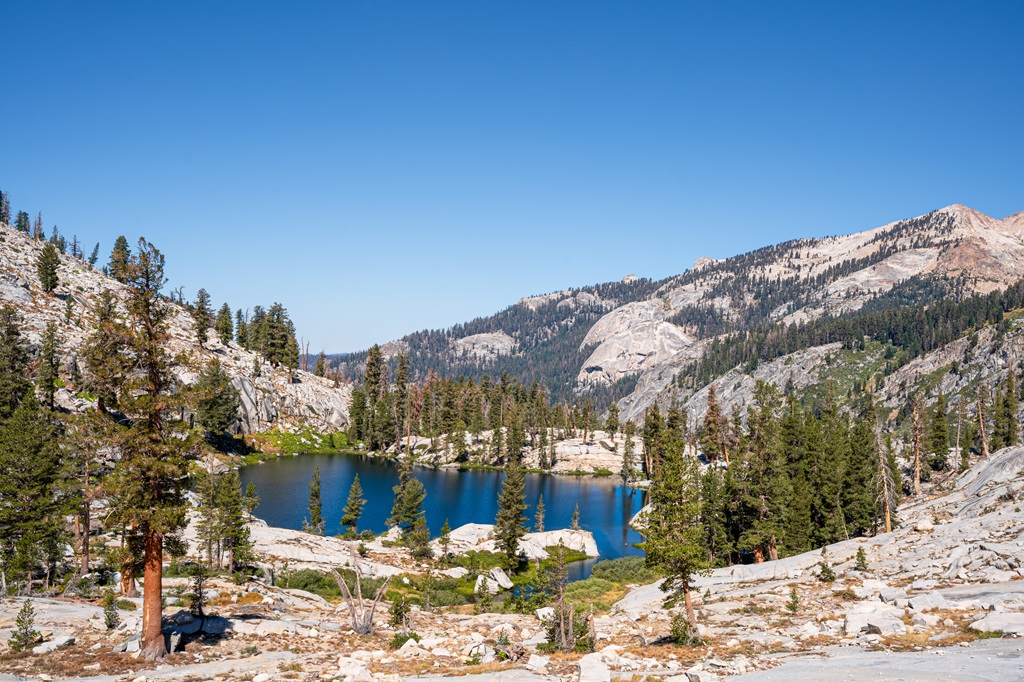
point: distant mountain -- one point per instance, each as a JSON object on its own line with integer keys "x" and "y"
{"x": 640, "y": 342}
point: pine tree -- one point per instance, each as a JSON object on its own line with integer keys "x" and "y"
{"x": 223, "y": 326}
{"x": 445, "y": 540}
{"x": 5, "y": 209}
{"x": 859, "y": 476}
{"x": 31, "y": 495}
{"x": 217, "y": 401}
{"x": 715, "y": 517}
{"x": 510, "y": 522}
{"x": 207, "y": 530}
{"x": 887, "y": 486}
{"x": 48, "y": 371}
{"x": 232, "y": 527}
{"x": 711, "y": 438}
{"x": 13, "y": 362}
{"x": 409, "y": 496}
{"x": 353, "y": 506}
{"x": 241, "y": 329}
{"x": 628, "y": 452}
{"x": 120, "y": 258}
{"x": 46, "y": 267}
{"x": 538, "y": 517}
{"x": 612, "y": 423}
{"x": 147, "y": 485}
{"x": 762, "y": 479}
{"x": 315, "y": 523}
{"x": 1011, "y": 425}
{"x": 675, "y": 536}
{"x": 827, "y": 445}
{"x": 320, "y": 366}
{"x": 22, "y": 223}
{"x": 107, "y": 352}
{"x": 95, "y": 255}
{"x": 574, "y": 523}
{"x": 202, "y": 316}
{"x": 24, "y": 635}
{"x": 938, "y": 443}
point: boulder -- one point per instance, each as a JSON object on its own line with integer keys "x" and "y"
{"x": 537, "y": 663}
{"x": 928, "y": 601}
{"x": 485, "y": 584}
{"x": 924, "y": 526}
{"x": 874, "y": 618}
{"x": 54, "y": 645}
{"x": 353, "y": 670}
{"x": 500, "y": 577}
{"x": 1001, "y": 621}
{"x": 593, "y": 669}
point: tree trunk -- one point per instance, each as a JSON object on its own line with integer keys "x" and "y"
{"x": 691, "y": 615}
{"x": 981, "y": 428}
{"x": 917, "y": 453}
{"x": 153, "y": 647}
{"x": 773, "y": 550}
{"x": 758, "y": 555}
{"x": 86, "y": 522}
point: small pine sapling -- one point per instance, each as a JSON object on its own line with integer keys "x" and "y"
{"x": 794, "y": 601}
{"x": 24, "y": 635}
{"x": 111, "y": 617}
{"x": 862, "y": 560}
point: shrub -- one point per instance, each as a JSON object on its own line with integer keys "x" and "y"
{"x": 826, "y": 574}
{"x": 680, "y": 632}
{"x": 625, "y": 570}
{"x": 401, "y": 638}
{"x": 111, "y": 618}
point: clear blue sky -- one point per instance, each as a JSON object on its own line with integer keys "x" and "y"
{"x": 381, "y": 167}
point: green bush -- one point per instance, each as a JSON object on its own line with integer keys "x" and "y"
{"x": 323, "y": 584}
{"x": 399, "y": 639}
{"x": 626, "y": 570}
{"x": 126, "y": 605}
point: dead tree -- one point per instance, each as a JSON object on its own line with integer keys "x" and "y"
{"x": 360, "y": 610}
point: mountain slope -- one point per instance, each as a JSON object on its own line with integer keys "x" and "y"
{"x": 629, "y": 341}
{"x": 270, "y": 400}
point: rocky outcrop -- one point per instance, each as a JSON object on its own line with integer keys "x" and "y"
{"x": 479, "y": 537}
{"x": 271, "y": 398}
{"x": 485, "y": 346}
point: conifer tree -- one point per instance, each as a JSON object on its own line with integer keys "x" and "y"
{"x": 95, "y": 255}
{"x": 538, "y": 517}
{"x": 46, "y": 267}
{"x": 207, "y": 522}
{"x": 232, "y": 526}
{"x": 120, "y": 257}
{"x": 217, "y": 401}
{"x": 886, "y": 486}
{"x": 939, "y": 437}
{"x": 628, "y": 452}
{"x": 859, "y": 473}
{"x": 762, "y": 479}
{"x": 147, "y": 485}
{"x": 24, "y": 635}
{"x": 715, "y": 517}
{"x": 574, "y": 523}
{"x": 445, "y": 540}
{"x": 223, "y": 326}
{"x": 107, "y": 352}
{"x": 612, "y": 423}
{"x": 510, "y": 522}
{"x": 48, "y": 370}
{"x": 31, "y": 495}
{"x": 353, "y": 506}
{"x": 5, "y": 209}
{"x": 675, "y": 536}
{"x": 241, "y": 329}
{"x": 22, "y": 222}
{"x": 202, "y": 316}
{"x": 13, "y": 362}
{"x": 320, "y": 366}
{"x": 315, "y": 523}
{"x": 409, "y": 496}
{"x": 827, "y": 445}
{"x": 711, "y": 438}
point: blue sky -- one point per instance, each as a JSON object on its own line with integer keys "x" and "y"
{"x": 381, "y": 167}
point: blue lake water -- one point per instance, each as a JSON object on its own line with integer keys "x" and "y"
{"x": 461, "y": 497}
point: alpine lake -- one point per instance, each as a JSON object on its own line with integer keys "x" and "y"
{"x": 458, "y": 496}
